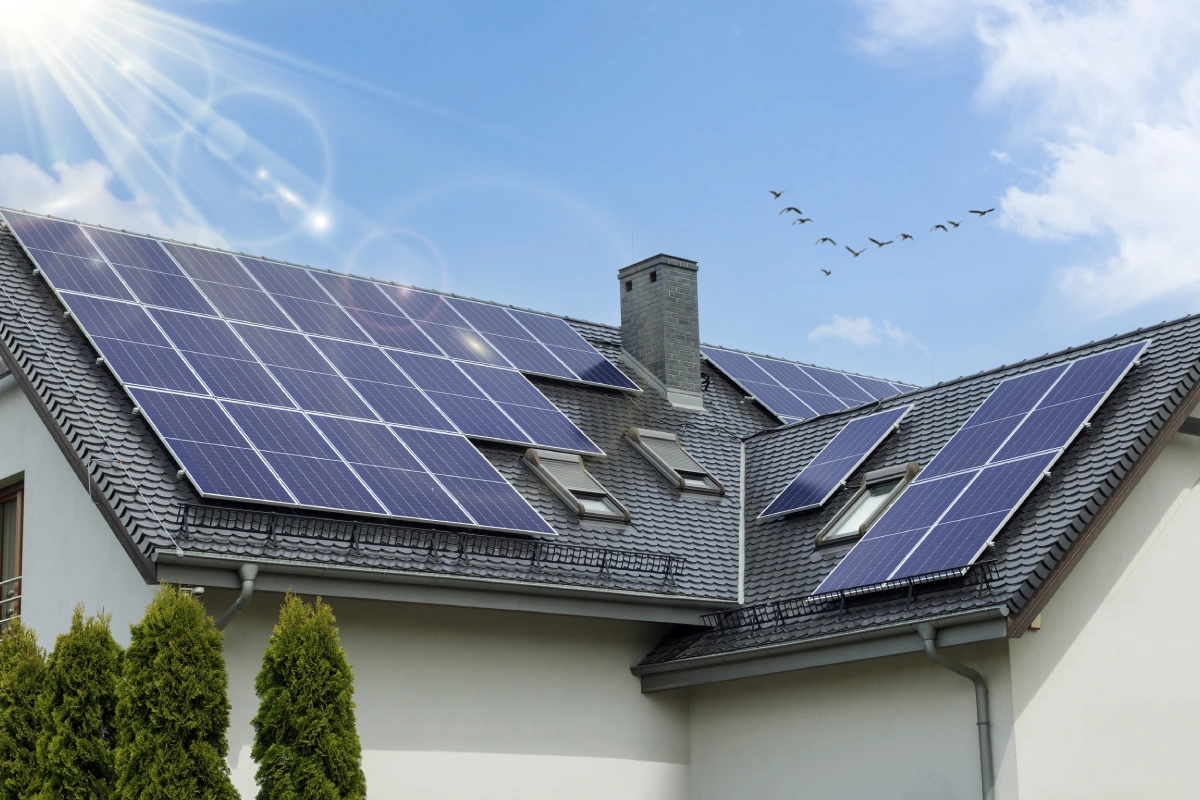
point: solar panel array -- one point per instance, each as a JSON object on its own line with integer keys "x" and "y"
{"x": 844, "y": 453}
{"x": 267, "y": 381}
{"x": 943, "y": 520}
{"x": 795, "y": 392}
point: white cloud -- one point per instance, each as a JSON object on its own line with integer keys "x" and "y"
{"x": 860, "y": 331}
{"x": 1112, "y": 90}
{"x": 83, "y": 191}
{"x": 1002, "y": 157}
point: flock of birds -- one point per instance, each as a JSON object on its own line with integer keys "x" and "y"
{"x": 800, "y": 219}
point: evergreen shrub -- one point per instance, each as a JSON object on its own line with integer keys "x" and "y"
{"x": 22, "y": 675}
{"x": 305, "y": 741}
{"x": 76, "y": 708}
{"x": 173, "y": 711}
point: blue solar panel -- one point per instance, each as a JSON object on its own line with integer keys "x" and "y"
{"x": 518, "y": 345}
{"x": 217, "y": 458}
{"x": 175, "y": 334}
{"x": 817, "y": 482}
{"x": 796, "y": 391}
{"x": 940, "y": 524}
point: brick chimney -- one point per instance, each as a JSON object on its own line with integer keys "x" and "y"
{"x": 660, "y": 326}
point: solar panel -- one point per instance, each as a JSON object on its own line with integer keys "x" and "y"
{"x": 941, "y": 522}
{"x": 257, "y": 406}
{"x": 844, "y": 453}
{"x": 794, "y": 392}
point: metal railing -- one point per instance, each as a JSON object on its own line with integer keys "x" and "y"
{"x": 979, "y": 575}
{"x": 355, "y": 533}
{"x": 10, "y": 600}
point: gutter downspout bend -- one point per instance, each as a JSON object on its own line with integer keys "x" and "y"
{"x": 983, "y": 722}
{"x": 248, "y": 573}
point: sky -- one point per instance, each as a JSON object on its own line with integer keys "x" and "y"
{"x": 523, "y": 152}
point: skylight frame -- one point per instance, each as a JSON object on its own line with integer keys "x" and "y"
{"x": 687, "y": 474}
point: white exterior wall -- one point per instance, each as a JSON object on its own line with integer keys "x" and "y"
{"x": 71, "y": 555}
{"x": 463, "y": 703}
{"x": 1106, "y": 694}
{"x": 893, "y": 728}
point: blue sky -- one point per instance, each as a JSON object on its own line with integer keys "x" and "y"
{"x": 523, "y": 152}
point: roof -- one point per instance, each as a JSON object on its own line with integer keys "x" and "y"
{"x": 115, "y": 452}
{"x": 783, "y": 561}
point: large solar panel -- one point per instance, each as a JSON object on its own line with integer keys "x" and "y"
{"x": 817, "y": 482}
{"x": 795, "y": 392}
{"x": 941, "y": 522}
{"x": 275, "y": 374}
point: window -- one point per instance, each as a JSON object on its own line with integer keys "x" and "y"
{"x": 11, "y": 512}
{"x": 568, "y": 478}
{"x": 666, "y": 453}
{"x": 878, "y": 490}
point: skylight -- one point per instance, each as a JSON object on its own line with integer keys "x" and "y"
{"x": 666, "y": 453}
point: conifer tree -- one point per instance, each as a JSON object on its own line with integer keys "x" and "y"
{"x": 305, "y": 741}
{"x": 173, "y": 710}
{"x": 22, "y": 674}
{"x": 76, "y": 707}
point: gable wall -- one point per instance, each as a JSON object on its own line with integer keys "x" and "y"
{"x": 71, "y": 555}
{"x": 1105, "y": 694}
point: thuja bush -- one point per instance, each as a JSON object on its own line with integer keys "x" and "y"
{"x": 305, "y": 741}
{"x": 22, "y": 675}
{"x": 173, "y": 710}
{"x": 77, "y": 706}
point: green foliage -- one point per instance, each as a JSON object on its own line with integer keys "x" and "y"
{"x": 174, "y": 711}
{"x": 305, "y": 740}
{"x": 76, "y": 707}
{"x": 22, "y": 674}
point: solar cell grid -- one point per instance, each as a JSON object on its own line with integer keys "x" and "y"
{"x": 794, "y": 391}
{"x": 942, "y": 522}
{"x": 830, "y": 468}
{"x": 73, "y": 273}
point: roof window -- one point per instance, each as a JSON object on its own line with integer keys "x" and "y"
{"x": 876, "y": 492}
{"x": 568, "y": 478}
{"x": 666, "y": 453}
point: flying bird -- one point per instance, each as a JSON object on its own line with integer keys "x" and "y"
{"x": 776, "y": 194}
{"x": 904, "y": 236}
{"x": 952, "y": 222}
{"x": 936, "y": 227}
{"x": 826, "y": 239}
{"x": 801, "y": 221}
{"x": 982, "y": 213}
{"x": 827, "y": 272}
{"x": 792, "y": 208}
{"x": 855, "y": 253}
{"x": 878, "y": 243}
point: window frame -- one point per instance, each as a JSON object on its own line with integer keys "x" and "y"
{"x": 907, "y": 473}
{"x": 10, "y": 607}
{"x": 710, "y": 485}
{"x": 536, "y": 460}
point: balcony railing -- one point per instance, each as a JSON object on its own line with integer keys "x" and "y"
{"x": 10, "y": 599}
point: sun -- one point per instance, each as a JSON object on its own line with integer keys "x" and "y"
{"x": 34, "y": 32}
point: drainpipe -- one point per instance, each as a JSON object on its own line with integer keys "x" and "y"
{"x": 929, "y": 636}
{"x": 248, "y": 573}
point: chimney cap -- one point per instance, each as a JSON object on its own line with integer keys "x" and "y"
{"x": 660, "y": 260}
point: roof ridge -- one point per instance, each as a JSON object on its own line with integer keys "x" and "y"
{"x": 964, "y": 378}
{"x": 804, "y": 364}
{"x": 309, "y": 266}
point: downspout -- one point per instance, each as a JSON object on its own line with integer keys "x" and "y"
{"x": 929, "y": 636}
{"x": 247, "y": 572}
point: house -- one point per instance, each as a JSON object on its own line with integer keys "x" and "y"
{"x": 623, "y": 623}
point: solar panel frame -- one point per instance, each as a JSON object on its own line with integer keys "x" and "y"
{"x": 844, "y": 465}
{"x": 862, "y": 574}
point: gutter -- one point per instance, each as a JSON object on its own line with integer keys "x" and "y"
{"x": 954, "y": 629}
{"x": 371, "y": 583}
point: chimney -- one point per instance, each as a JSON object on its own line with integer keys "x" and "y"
{"x": 660, "y": 327}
